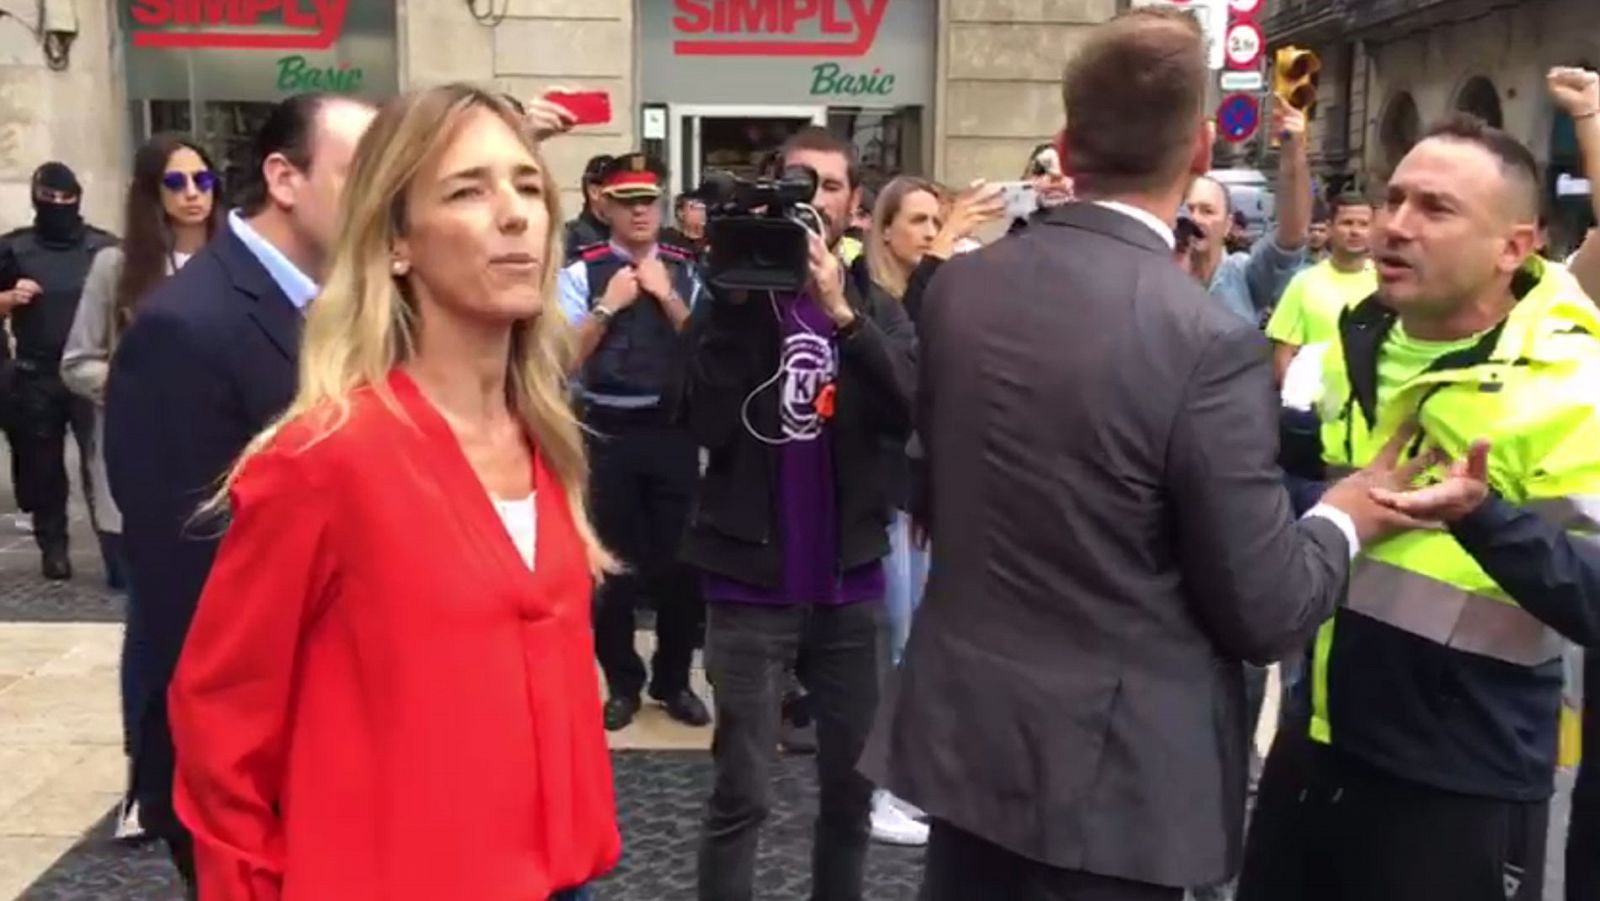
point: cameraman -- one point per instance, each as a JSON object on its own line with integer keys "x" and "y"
{"x": 798, "y": 399}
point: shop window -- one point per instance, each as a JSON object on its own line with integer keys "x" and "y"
{"x": 196, "y": 79}
{"x": 888, "y": 142}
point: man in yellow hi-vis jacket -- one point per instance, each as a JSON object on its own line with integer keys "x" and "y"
{"x": 1419, "y": 757}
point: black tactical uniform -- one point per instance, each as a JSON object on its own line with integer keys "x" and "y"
{"x": 54, "y": 253}
{"x": 643, "y": 464}
{"x": 587, "y": 229}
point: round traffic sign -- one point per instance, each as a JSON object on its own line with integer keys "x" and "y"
{"x": 1243, "y": 44}
{"x": 1244, "y": 7}
{"x": 1238, "y": 117}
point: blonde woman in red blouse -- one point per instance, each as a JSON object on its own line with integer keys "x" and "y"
{"x": 389, "y": 689}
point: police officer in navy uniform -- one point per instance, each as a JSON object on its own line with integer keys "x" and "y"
{"x": 42, "y": 271}
{"x": 629, "y": 299}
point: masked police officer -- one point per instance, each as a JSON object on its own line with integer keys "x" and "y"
{"x": 629, "y": 299}
{"x": 42, "y": 270}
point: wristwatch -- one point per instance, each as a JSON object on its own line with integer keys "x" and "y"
{"x": 602, "y": 313}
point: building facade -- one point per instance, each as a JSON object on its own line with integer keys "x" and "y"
{"x": 955, "y": 89}
{"x": 1393, "y": 66}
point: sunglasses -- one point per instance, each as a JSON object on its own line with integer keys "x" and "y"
{"x": 205, "y": 181}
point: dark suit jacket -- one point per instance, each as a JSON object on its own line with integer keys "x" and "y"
{"x": 1111, "y": 537}
{"x": 208, "y": 361}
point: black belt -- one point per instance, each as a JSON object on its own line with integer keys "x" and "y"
{"x": 596, "y": 414}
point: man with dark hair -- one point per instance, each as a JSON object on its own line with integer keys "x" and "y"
{"x": 796, "y": 398}
{"x": 1110, "y": 533}
{"x": 689, "y": 230}
{"x": 1317, "y": 235}
{"x": 1308, "y": 313}
{"x": 1420, "y": 759}
{"x": 42, "y": 271}
{"x": 208, "y": 362}
{"x": 588, "y": 228}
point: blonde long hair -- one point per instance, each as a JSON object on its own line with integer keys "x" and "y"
{"x": 362, "y": 325}
{"x": 887, "y": 272}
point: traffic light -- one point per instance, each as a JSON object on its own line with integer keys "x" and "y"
{"x": 1294, "y": 78}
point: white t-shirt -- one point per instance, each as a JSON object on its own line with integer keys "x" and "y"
{"x": 521, "y": 519}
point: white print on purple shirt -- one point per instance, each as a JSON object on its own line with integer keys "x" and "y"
{"x": 807, "y": 367}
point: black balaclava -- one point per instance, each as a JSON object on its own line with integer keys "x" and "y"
{"x": 57, "y": 223}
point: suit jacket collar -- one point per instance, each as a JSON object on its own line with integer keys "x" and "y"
{"x": 1100, "y": 220}
{"x": 271, "y": 309}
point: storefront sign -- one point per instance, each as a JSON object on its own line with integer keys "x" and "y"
{"x": 778, "y": 27}
{"x": 877, "y": 53}
{"x": 830, "y": 80}
{"x": 258, "y": 50}
{"x": 239, "y": 24}
{"x": 296, "y": 75}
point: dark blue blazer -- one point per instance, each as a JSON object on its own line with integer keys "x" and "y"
{"x": 209, "y": 360}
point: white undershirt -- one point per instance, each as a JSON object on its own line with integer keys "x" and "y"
{"x": 521, "y": 520}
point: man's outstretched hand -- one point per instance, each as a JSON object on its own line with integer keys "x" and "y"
{"x": 1462, "y": 490}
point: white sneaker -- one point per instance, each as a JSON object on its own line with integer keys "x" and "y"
{"x": 892, "y": 825}
{"x": 909, "y": 809}
{"x": 22, "y": 522}
{"x": 128, "y": 826}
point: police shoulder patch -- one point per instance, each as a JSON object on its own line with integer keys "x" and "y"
{"x": 595, "y": 252}
{"x": 674, "y": 252}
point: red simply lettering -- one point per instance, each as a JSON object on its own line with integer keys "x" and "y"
{"x": 318, "y": 23}
{"x": 856, "y": 21}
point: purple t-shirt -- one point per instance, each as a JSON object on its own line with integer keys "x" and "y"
{"x": 808, "y": 521}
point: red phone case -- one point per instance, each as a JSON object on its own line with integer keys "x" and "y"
{"x": 587, "y": 107}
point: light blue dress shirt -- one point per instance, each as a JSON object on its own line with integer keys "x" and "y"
{"x": 572, "y": 286}
{"x": 296, "y": 285}
{"x": 1250, "y": 283}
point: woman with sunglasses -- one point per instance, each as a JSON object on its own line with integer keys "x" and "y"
{"x": 172, "y": 210}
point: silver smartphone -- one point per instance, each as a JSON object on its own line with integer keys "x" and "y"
{"x": 1021, "y": 199}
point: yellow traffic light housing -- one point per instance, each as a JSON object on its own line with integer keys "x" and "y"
{"x": 1295, "y": 73}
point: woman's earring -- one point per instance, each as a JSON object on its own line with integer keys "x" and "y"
{"x": 400, "y": 267}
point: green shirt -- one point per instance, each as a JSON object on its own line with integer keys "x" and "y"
{"x": 1403, "y": 358}
{"x": 1308, "y": 312}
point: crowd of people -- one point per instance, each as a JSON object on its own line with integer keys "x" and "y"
{"x": 1002, "y": 520}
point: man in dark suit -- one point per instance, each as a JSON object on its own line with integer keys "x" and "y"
{"x": 210, "y": 360}
{"x": 1111, "y": 534}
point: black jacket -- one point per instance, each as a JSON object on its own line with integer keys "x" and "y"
{"x": 1553, "y": 576}
{"x": 582, "y": 232}
{"x": 734, "y": 350}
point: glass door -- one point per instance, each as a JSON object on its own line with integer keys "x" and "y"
{"x": 734, "y": 139}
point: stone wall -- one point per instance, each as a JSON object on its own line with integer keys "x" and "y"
{"x": 77, "y": 115}
{"x": 1513, "y": 48}
{"x": 1000, "y": 70}
{"x": 539, "y": 45}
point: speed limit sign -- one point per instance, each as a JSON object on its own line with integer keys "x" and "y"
{"x": 1244, "y": 7}
{"x": 1243, "y": 45}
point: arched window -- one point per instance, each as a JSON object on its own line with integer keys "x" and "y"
{"x": 1401, "y": 127}
{"x": 1479, "y": 97}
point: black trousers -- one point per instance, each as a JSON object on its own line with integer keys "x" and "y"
{"x": 1328, "y": 827}
{"x": 1583, "y": 843}
{"x": 959, "y": 866}
{"x": 642, "y": 479}
{"x": 44, "y": 412}
{"x": 748, "y": 648}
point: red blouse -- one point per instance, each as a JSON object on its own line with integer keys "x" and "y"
{"x": 377, "y": 699}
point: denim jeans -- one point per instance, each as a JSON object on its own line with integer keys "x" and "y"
{"x": 835, "y": 653}
{"x": 581, "y": 893}
{"x": 906, "y": 575}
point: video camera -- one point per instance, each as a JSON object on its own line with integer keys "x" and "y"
{"x": 759, "y": 230}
